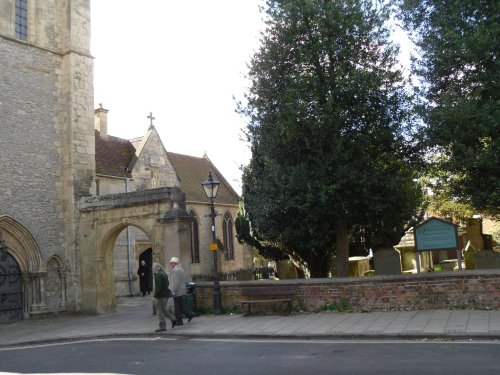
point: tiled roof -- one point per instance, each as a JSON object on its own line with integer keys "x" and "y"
{"x": 113, "y": 155}
{"x": 192, "y": 171}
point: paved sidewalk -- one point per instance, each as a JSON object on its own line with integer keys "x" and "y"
{"x": 134, "y": 318}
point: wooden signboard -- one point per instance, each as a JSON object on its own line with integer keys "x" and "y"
{"x": 436, "y": 234}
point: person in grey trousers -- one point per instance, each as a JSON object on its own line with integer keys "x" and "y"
{"x": 178, "y": 288}
{"x": 161, "y": 296}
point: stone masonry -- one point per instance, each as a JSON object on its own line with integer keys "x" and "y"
{"x": 47, "y": 142}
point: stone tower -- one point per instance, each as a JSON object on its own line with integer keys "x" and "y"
{"x": 47, "y": 149}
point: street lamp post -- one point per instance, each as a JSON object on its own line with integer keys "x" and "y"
{"x": 211, "y": 186}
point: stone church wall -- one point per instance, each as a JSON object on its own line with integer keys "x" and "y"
{"x": 108, "y": 185}
{"x": 47, "y": 140}
{"x": 154, "y": 161}
{"x": 243, "y": 255}
{"x": 30, "y": 165}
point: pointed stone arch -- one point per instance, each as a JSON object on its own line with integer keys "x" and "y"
{"x": 194, "y": 236}
{"x": 159, "y": 213}
{"x": 22, "y": 246}
{"x": 227, "y": 236}
{"x": 129, "y": 240}
{"x": 55, "y": 286}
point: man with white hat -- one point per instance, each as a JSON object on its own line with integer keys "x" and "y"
{"x": 178, "y": 288}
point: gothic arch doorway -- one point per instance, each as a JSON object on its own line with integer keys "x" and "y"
{"x": 11, "y": 307}
{"x": 102, "y": 221}
{"x": 131, "y": 243}
{"x": 23, "y": 253}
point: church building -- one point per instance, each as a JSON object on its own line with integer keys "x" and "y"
{"x": 78, "y": 207}
{"x": 124, "y": 166}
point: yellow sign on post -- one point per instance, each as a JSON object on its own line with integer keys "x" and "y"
{"x": 213, "y": 246}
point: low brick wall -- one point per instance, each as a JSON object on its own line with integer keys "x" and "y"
{"x": 474, "y": 289}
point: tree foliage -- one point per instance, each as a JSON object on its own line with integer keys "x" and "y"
{"x": 458, "y": 45}
{"x": 327, "y": 111}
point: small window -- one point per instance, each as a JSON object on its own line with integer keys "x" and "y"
{"x": 22, "y": 19}
{"x": 227, "y": 231}
{"x": 155, "y": 178}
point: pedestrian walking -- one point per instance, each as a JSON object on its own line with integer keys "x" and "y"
{"x": 161, "y": 296}
{"x": 178, "y": 288}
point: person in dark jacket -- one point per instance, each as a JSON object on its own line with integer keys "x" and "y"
{"x": 161, "y": 296}
{"x": 144, "y": 273}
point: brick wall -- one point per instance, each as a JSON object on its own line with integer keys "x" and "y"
{"x": 476, "y": 289}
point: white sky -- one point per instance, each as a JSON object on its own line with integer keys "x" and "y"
{"x": 182, "y": 60}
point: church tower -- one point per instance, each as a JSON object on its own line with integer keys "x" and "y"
{"x": 47, "y": 150}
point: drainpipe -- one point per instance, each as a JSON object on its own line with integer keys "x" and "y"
{"x": 129, "y": 266}
{"x": 128, "y": 249}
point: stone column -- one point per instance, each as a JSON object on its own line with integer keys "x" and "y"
{"x": 42, "y": 277}
{"x": 26, "y": 289}
{"x": 37, "y": 282}
{"x": 176, "y": 236}
{"x": 62, "y": 277}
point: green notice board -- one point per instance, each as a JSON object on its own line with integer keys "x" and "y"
{"x": 436, "y": 234}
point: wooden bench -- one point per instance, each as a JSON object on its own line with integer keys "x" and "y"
{"x": 268, "y": 294}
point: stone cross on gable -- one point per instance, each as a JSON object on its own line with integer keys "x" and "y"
{"x": 151, "y": 118}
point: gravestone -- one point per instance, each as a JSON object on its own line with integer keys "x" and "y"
{"x": 286, "y": 270}
{"x": 474, "y": 233}
{"x": 487, "y": 259}
{"x": 406, "y": 247}
{"x": 244, "y": 275}
{"x": 470, "y": 256}
{"x": 358, "y": 266}
{"x": 387, "y": 262}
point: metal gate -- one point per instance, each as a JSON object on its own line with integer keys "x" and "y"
{"x": 11, "y": 307}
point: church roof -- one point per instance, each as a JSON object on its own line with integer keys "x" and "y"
{"x": 192, "y": 171}
{"x": 113, "y": 155}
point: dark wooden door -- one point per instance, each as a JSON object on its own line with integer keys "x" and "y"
{"x": 147, "y": 257}
{"x": 11, "y": 307}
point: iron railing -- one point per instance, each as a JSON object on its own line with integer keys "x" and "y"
{"x": 258, "y": 273}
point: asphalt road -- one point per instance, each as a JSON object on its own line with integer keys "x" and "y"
{"x": 196, "y": 356}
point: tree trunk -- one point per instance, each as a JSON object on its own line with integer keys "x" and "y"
{"x": 342, "y": 242}
{"x": 319, "y": 267}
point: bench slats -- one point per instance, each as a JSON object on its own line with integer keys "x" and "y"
{"x": 273, "y": 294}
{"x": 268, "y": 293}
{"x": 265, "y": 300}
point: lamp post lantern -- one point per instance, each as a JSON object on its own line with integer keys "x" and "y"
{"x": 211, "y": 186}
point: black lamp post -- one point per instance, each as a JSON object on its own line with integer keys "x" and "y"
{"x": 211, "y": 187}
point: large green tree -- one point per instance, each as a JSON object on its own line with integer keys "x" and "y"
{"x": 459, "y": 66}
{"x": 330, "y": 152}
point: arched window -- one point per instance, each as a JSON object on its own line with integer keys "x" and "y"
{"x": 155, "y": 178}
{"x": 21, "y": 19}
{"x": 195, "y": 242}
{"x": 227, "y": 232}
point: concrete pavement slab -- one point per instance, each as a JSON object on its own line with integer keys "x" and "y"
{"x": 133, "y": 317}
